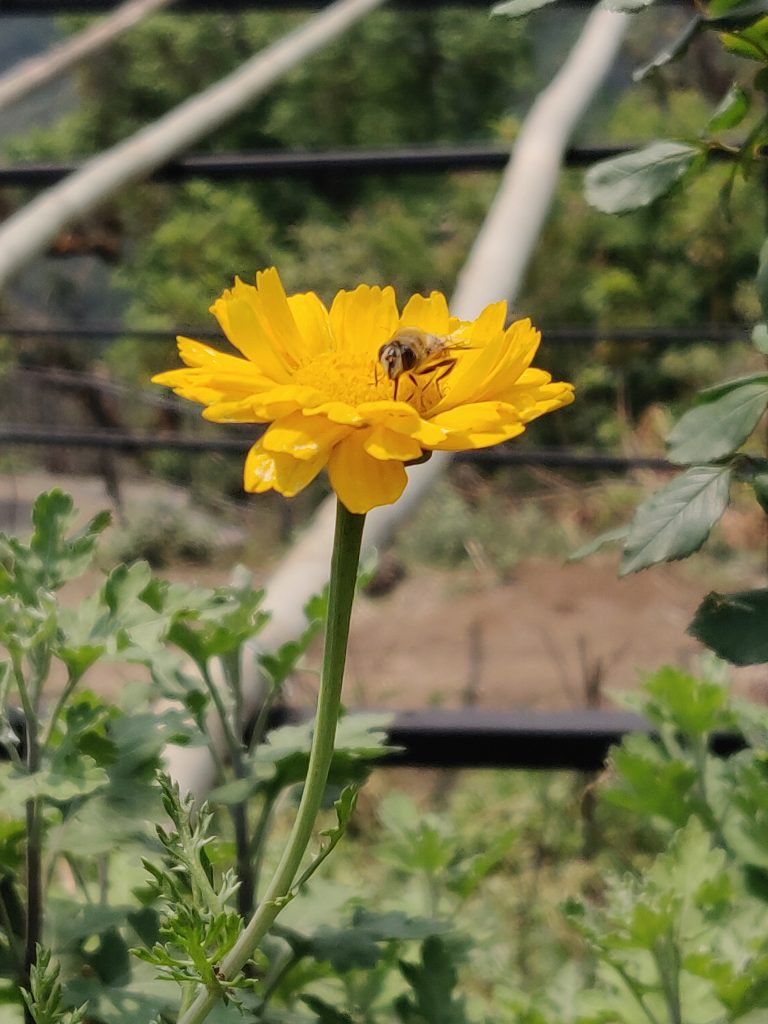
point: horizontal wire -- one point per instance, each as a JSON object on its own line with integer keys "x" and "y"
{"x": 662, "y": 336}
{"x": 127, "y": 441}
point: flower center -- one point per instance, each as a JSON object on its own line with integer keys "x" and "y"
{"x": 353, "y": 379}
{"x": 345, "y": 377}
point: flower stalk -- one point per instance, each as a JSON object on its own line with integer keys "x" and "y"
{"x": 344, "y": 564}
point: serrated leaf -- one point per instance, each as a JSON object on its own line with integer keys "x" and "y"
{"x": 734, "y": 626}
{"x": 731, "y": 111}
{"x": 433, "y": 982}
{"x": 609, "y": 537}
{"x": 633, "y": 180}
{"x": 519, "y": 8}
{"x": 677, "y": 519}
{"x": 718, "y": 427}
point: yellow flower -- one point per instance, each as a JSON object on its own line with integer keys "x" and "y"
{"x": 315, "y": 376}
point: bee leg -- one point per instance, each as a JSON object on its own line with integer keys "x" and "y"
{"x": 397, "y": 381}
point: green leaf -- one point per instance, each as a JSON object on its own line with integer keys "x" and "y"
{"x": 634, "y": 180}
{"x": 360, "y": 738}
{"x": 723, "y": 387}
{"x": 344, "y": 807}
{"x": 609, "y": 537}
{"x": 625, "y": 6}
{"x": 57, "y": 786}
{"x": 725, "y": 15}
{"x": 759, "y": 338}
{"x": 734, "y": 626}
{"x": 359, "y": 944}
{"x": 324, "y": 1012}
{"x": 61, "y": 558}
{"x": 675, "y": 49}
{"x": 695, "y": 707}
{"x": 759, "y": 483}
{"x": 519, "y": 8}
{"x": 719, "y": 426}
{"x": 676, "y": 520}
{"x": 731, "y": 111}
{"x": 433, "y": 982}
{"x": 648, "y": 784}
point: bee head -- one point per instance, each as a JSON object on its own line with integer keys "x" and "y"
{"x": 396, "y": 359}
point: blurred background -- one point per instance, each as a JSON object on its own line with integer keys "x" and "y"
{"x": 638, "y": 311}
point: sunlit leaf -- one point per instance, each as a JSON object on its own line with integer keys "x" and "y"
{"x": 718, "y": 427}
{"x": 731, "y": 111}
{"x": 727, "y": 15}
{"x": 633, "y": 180}
{"x": 518, "y": 8}
{"x": 676, "y": 520}
{"x": 625, "y": 6}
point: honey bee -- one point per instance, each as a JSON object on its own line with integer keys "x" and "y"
{"x": 413, "y": 351}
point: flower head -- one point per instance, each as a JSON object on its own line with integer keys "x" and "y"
{"x": 336, "y": 394}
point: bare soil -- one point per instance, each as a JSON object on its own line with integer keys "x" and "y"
{"x": 552, "y": 636}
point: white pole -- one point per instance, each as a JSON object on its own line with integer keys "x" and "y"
{"x": 26, "y": 233}
{"x": 31, "y": 74}
{"x": 492, "y": 271}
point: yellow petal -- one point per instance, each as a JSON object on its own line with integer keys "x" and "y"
{"x": 360, "y": 481}
{"x": 428, "y": 313}
{"x": 478, "y": 416}
{"x": 403, "y": 418}
{"x": 459, "y": 442}
{"x": 490, "y": 323}
{"x": 312, "y": 323}
{"x": 268, "y": 471}
{"x": 339, "y": 412}
{"x": 362, "y": 320}
{"x": 277, "y": 318}
{"x": 301, "y": 436}
{"x": 385, "y": 444}
{"x": 262, "y": 408}
{"x": 246, "y": 332}
{"x": 488, "y": 373}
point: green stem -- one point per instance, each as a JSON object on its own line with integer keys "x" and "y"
{"x": 72, "y": 680}
{"x": 234, "y": 746}
{"x": 34, "y": 836}
{"x": 344, "y": 563}
{"x": 259, "y": 838}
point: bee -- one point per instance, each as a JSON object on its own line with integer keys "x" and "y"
{"x": 413, "y": 352}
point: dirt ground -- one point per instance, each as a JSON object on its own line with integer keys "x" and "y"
{"x": 552, "y": 636}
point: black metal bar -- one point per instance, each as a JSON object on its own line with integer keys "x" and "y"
{"x": 47, "y": 7}
{"x": 576, "y": 740}
{"x": 120, "y": 441}
{"x": 720, "y": 334}
{"x": 403, "y": 159}
{"x": 425, "y": 159}
{"x": 481, "y": 738}
{"x": 490, "y": 738}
